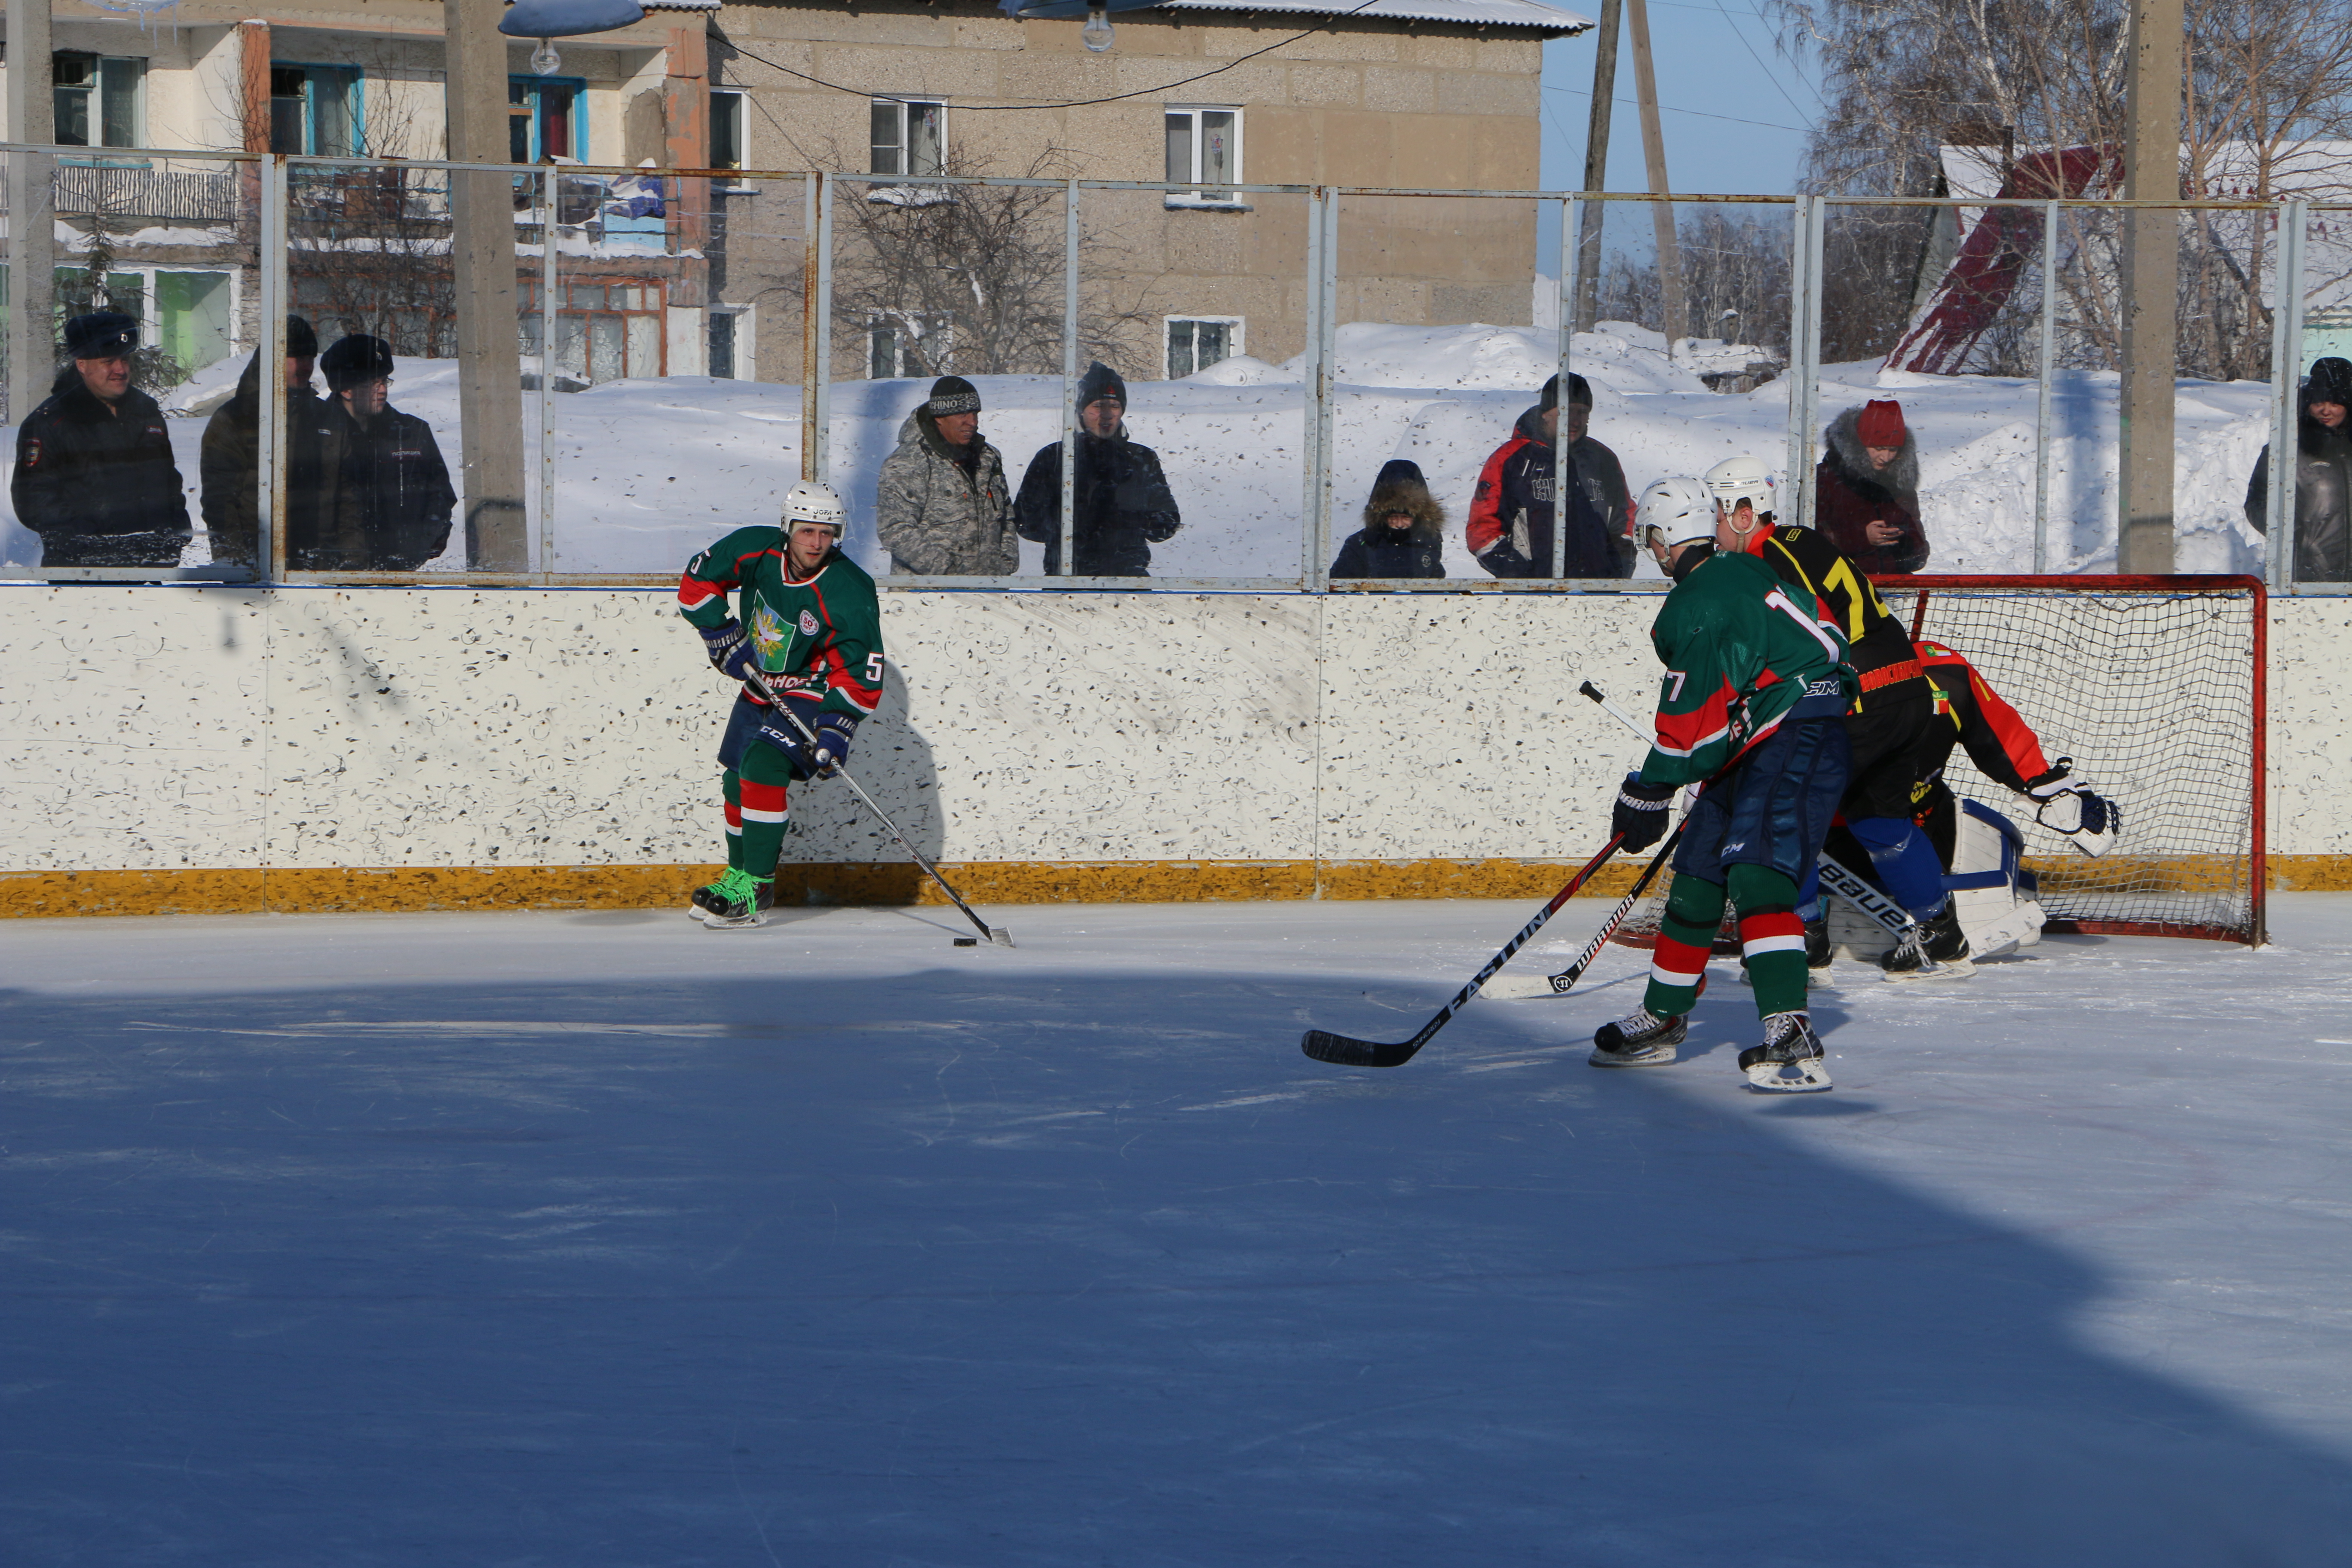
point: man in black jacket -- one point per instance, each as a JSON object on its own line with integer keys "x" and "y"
{"x": 94, "y": 474}
{"x": 1120, "y": 505}
{"x": 230, "y": 463}
{"x": 388, "y": 500}
{"x": 2323, "y": 477}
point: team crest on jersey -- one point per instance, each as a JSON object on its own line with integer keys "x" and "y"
{"x": 768, "y": 631}
{"x": 808, "y": 623}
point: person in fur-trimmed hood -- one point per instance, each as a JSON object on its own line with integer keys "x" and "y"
{"x": 1866, "y": 490}
{"x": 1404, "y": 529}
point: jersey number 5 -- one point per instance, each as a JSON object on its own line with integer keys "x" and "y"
{"x": 873, "y": 669}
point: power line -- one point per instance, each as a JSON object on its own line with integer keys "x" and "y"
{"x": 1701, "y": 113}
{"x": 1062, "y": 103}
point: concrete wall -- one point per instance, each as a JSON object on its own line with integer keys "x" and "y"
{"x": 221, "y": 747}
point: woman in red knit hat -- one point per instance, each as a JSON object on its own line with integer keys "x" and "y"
{"x": 1866, "y": 490}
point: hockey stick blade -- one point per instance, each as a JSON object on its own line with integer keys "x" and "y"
{"x": 1520, "y": 990}
{"x": 1344, "y": 1050}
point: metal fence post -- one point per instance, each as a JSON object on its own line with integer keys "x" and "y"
{"x": 809, "y": 184}
{"x": 1804, "y": 355}
{"x": 817, "y": 423}
{"x": 1310, "y": 396}
{"x": 1561, "y": 441}
{"x": 269, "y": 484}
{"x": 2044, "y": 393}
{"x": 1326, "y": 357}
{"x": 2287, "y": 387}
{"x": 547, "y": 372}
{"x": 1068, "y": 529}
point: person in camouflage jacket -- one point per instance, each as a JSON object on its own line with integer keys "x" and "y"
{"x": 943, "y": 508}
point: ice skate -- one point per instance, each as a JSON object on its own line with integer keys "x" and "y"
{"x": 1790, "y": 1060}
{"x": 1938, "y": 952}
{"x": 737, "y": 902}
{"x": 707, "y": 897}
{"x": 1643, "y": 1039}
{"x": 1817, "y": 949}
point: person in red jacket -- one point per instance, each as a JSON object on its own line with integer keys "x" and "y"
{"x": 1866, "y": 490}
{"x": 1510, "y": 530}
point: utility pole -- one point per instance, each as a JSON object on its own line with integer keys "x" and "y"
{"x": 31, "y": 211}
{"x": 1653, "y": 153}
{"x": 1596, "y": 167}
{"x": 2152, "y": 288}
{"x": 482, "y": 261}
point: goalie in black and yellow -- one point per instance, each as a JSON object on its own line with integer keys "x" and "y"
{"x": 807, "y": 627}
{"x": 1752, "y": 712}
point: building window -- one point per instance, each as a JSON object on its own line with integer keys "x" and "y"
{"x": 910, "y": 137}
{"x": 315, "y": 109}
{"x": 1205, "y": 148}
{"x": 1195, "y": 342}
{"x": 903, "y": 347}
{"x": 543, "y": 119}
{"x": 605, "y": 329}
{"x": 97, "y": 100}
{"x": 731, "y": 350}
{"x": 727, "y": 141}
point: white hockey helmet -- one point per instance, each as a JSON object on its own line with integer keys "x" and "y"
{"x": 1737, "y": 479}
{"x": 813, "y": 502}
{"x": 1676, "y": 510}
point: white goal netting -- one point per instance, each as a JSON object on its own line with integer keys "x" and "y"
{"x": 2153, "y": 686}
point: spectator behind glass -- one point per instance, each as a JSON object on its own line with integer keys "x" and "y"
{"x": 2323, "y": 478}
{"x": 1601, "y": 474}
{"x": 1120, "y": 505}
{"x": 230, "y": 464}
{"x": 1404, "y": 529}
{"x": 1866, "y": 490}
{"x": 1510, "y": 527}
{"x": 941, "y": 507}
{"x": 388, "y": 498}
{"x": 94, "y": 475}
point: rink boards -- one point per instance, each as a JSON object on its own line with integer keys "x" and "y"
{"x": 223, "y": 749}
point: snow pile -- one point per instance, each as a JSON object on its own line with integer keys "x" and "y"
{"x": 650, "y": 471}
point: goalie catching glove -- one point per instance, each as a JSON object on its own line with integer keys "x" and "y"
{"x": 811, "y": 759}
{"x": 1638, "y": 818}
{"x": 2066, "y": 804}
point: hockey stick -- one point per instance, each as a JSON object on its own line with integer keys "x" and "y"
{"x": 1346, "y": 1051}
{"x": 1835, "y": 875}
{"x": 996, "y": 934}
{"x": 1513, "y": 988}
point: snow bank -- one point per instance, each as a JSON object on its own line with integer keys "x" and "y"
{"x": 650, "y": 471}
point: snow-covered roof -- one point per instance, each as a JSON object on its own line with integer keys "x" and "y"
{"x": 2305, "y": 171}
{"x": 1534, "y": 14}
{"x": 680, "y": 5}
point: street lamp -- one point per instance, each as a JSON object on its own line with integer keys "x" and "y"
{"x": 547, "y": 20}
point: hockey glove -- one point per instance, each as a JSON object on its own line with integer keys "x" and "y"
{"x": 2066, "y": 804}
{"x": 733, "y": 654}
{"x": 817, "y": 760}
{"x": 1639, "y": 818}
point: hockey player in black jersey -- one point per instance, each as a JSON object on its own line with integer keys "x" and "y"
{"x": 1889, "y": 723}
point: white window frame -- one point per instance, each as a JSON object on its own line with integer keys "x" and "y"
{"x": 943, "y": 336}
{"x": 1227, "y": 200}
{"x": 904, "y": 149}
{"x": 138, "y": 65}
{"x": 747, "y": 338}
{"x": 1236, "y": 338}
{"x": 729, "y": 102}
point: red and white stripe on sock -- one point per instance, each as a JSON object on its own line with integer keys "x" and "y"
{"x": 1779, "y": 932}
{"x": 1675, "y": 962}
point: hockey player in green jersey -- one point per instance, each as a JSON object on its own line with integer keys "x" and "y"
{"x": 815, "y": 639}
{"x": 1752, "y": 711}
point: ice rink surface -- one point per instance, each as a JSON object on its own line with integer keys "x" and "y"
{"x": 595, "y": 1238}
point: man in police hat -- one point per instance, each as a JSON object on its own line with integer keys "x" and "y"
{"x": 388, "y": 499}
{"x": 94, "y": 474}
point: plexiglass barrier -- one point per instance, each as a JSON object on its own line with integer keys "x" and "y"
{"x": 557, "y": 373}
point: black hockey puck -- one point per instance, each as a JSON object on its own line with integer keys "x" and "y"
{"x": 967, "y": 942}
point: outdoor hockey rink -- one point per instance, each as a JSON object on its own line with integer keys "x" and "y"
{"x": 597, "y": 1239}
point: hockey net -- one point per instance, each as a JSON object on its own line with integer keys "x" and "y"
{"x": 2154, "y": 686}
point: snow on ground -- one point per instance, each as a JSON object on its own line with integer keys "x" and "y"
{"x": 597, "y": 1238}
{"x": 650, "y": 471}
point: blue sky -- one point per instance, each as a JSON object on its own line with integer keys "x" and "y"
{"x": 1734, "y": 109}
